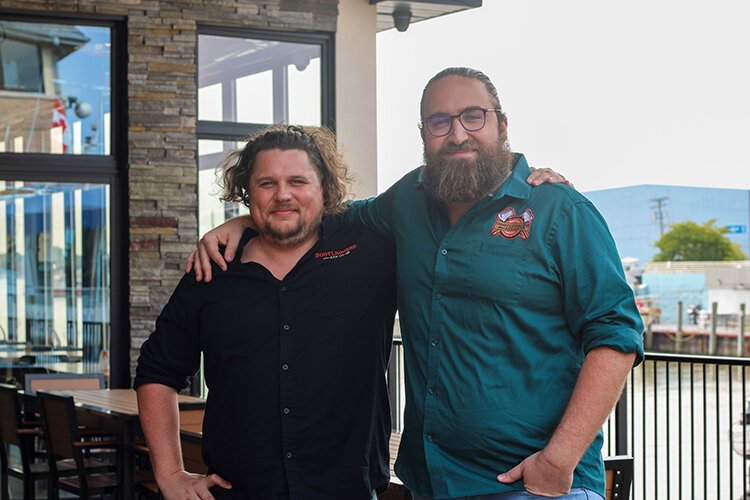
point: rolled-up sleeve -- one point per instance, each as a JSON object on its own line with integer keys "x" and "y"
{"x": 172, "y": 352}
{"x": 599, "y": 303}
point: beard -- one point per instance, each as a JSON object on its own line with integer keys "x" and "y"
{"x": 466, "y": 180}
{"x": 289, "y": 235}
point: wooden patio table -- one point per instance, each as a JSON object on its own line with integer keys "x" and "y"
{"x": 116, "y": 411}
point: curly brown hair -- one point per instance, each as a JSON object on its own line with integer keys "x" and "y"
{"x": 318, "y": 142}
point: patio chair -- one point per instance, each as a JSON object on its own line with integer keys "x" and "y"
{"x": 63, "y": 438}
{"x": 14, "y": 432}
{"x": 619, "y": 473}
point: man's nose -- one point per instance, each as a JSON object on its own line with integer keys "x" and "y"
{"x": 458, "y": 134}
{"x": 283, "y": 192}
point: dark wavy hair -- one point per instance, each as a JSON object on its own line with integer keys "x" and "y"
{"x": 318, "y": 142}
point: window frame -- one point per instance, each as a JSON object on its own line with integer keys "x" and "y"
{"x": 101, "y": 169}
{"x": 236, "y": 131}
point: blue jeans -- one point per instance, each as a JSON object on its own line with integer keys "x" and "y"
{"x": 575, "y": 494}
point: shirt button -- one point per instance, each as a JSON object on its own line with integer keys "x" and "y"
{"x": 444, "y": 251}
{"x": 434, "y": 343}
{"x": 283, "y": 289}
{"x": 285, "y": 367}
{"x": 288, "y": 454}
{"x": 438, "y": 295}
{"x": 431, "y": 390}
{"x": 286, "y": 411}
{"x": 286, "y": 327}
{"x": 429, "y": 438}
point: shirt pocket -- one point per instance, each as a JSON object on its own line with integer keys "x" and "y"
{"x": 499, "y": 271}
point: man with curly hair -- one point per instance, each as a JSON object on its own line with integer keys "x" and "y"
{"x": 295, "y": 338}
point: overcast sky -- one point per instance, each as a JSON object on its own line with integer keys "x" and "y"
{"x": 608, "y": 93}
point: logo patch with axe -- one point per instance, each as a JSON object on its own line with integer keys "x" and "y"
{"x": 509, "y": 225}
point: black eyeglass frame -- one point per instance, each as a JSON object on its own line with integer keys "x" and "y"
{"x": 423, "y": 123}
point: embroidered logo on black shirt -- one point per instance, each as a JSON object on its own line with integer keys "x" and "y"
{"x": 509, "y": 225}
{"x": 335, "y": 254}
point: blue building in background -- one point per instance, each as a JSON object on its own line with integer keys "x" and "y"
{"x": 637, "y": 215}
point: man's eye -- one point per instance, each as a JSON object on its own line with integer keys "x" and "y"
{"x": 472, "y": 117}
{"x": 438, "y": 122}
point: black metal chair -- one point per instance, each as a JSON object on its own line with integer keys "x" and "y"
{"x": 63, "y": 438}
{"x": 619, "y": 473}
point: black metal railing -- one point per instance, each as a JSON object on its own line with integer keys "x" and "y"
{"x": 679, "y": 417}
{"x": 676, "y": 417}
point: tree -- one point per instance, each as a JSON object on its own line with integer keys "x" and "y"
{"x": 691, "y": 241}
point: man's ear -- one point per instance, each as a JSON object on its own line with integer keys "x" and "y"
{"x": 503, "y": 126}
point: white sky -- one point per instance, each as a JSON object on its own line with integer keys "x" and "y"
{"x": 608, "y": 93}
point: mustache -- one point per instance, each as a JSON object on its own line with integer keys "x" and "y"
{"x": 464, "y": 147}
{"x": 284, "y": 206}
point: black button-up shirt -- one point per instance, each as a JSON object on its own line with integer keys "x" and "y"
{"x": 298, "y": 404}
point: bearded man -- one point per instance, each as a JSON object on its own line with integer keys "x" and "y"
{"x": 519, "y": 327}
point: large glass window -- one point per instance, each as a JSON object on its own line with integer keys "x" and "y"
{"x": 247, "y": 81}
{"x": 55, "y": 92}
{"x": 60, "y": 173}
{"x": 54, "y": 272}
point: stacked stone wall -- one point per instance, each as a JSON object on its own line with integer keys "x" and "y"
{"x": 161, "y": 164}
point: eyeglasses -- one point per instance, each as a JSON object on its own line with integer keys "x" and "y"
{"x": 471, "y": 119}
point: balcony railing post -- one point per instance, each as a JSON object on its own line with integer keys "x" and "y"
{"x": 621, "y": 424}
{"x": 393, "y": 385}
{"x": 678, "y": 332}
{"x": 741, "y": 334}
{"x": 712, "y": 337}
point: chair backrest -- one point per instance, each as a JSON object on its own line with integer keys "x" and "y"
{"x": 62, "y": 381}
{"x": 60, "y": 425}
{"x": 10, "y": 415}
{"x": 619, "y": 475}
{"x": 192, "y": 453}
{"x": 192, "y": 446}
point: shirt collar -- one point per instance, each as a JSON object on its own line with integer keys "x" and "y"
{"x": 516, "y": 185}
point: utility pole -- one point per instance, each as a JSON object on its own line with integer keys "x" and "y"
{"x": 658, "y": 205}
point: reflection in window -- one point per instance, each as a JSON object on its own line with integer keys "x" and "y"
{"x": 21, "y": 66}
{"x": 211, "y": 210}
{"x": 54, "y": 271}
{"x": 55, "y": 88}
{"x": 261, "y": 81}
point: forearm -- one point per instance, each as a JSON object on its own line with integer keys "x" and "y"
{"x": 159, "y": 415}
{"x": 598, "y": 388}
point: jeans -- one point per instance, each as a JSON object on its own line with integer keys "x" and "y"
{"x": 575, "y": 494}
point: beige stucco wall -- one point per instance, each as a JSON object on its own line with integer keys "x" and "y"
{"x": 356, "y": 112}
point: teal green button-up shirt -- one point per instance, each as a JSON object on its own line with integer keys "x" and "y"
{"x": 497, "y": 313}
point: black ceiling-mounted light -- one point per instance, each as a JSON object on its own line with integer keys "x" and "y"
{"x": 401, "y": 14}
{"x": 402, "y": 18}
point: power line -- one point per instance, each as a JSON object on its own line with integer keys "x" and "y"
{"x": 658, "y": 205}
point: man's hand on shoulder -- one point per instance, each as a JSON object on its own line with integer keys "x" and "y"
{"x": 228, "y": 235}
{"x": 182, "y": 485}
{"x": 540, "y": 476}
{"x": 540, "y": 176}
